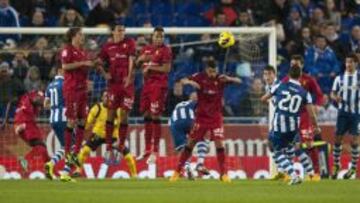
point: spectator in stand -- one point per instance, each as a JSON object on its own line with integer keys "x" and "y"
{"x": 38, "y": 19}
{"x": 353, "y": 43}
{"x": 278, "y": 10}
{"x": 322, "y": 63}
{"x": 220, "y": 19}
{"x": 304, "y": 41}
{"x": 227, "y": 7}
{"x": 333, "y": 40}
{"x": 38, "y": 50}
{"x": 316, "y": 20}
{"x": 251, "y": 104}
{"x": 101, "y": 15}
{"x": 294, "y": 23}
{"x": 20, "y": 66}
{"x": 327, "y": 112}
{"x": 332, "y": 14}
{"x": 8, "y": 18}
{"x": 33, "y": 80}
{"x": 71, "y": 18}
{"x": 306, "y": 8}
{"x": 10, "y": 90}
{"x": 244, "y": 19}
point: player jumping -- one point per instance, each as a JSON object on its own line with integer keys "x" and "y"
{"x": 345, "y": 93}
{"x": 119, "y": 53}
{"x": 208, "y": 115}
{"x": 290, "y": 97}
{"x": 156, "y": 62}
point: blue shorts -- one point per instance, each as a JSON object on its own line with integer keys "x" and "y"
{"x": 179, "y": 135}
{"x": 347, "y": 123}
{"x": 59, "y": 129}
{"x": 282, "y": 140}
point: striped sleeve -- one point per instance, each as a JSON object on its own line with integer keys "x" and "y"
{"x": 336, "y": 85}
{"x": 274, "y": 88}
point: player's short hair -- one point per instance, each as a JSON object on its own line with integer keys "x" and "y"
{"x": 295, "y": 72}
{"x": 353, "y": 57}
{"x": 270, "y": 68}
{"x": 71, "y": 33}
{"x": 298, "y": 57}
{"x": 211, "y": 63}
{"x": 113, "y": 26}
{"x": 159, "y": 29}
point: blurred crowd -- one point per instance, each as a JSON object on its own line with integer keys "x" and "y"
{"x": 323, "y": 31}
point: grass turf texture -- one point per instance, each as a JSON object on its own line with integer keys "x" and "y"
{"x": 147, "y": 191}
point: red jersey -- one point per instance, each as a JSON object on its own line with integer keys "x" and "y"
{"x": 74, "y": 79}
{"x": 117, "y": 54}
{"x": 159, "y": 55}
{"x": 309, "y": 84}
{"x": 209, "y": 109}
{"x": 26, "y": 111}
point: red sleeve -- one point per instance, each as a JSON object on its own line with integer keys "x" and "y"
{"x": 103, "y": 53}
{"x": 167, "y": 55}
{"x": 132, "y": 47}
{"x": 195, "y": 77}
{"x": 66, "y": 56}
{"x": 316, "y": 91}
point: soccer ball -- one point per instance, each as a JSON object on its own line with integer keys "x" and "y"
{"x": 226, "y": 39}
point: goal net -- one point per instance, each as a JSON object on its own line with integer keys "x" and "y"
{"x": 32, "y": 60}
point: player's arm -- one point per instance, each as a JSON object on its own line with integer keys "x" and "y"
{"x": 229, "y": 79}
{"x": 316, "y": 90}
{"x": 131, "y": 71}
{"x": 164, "y": 68}
{"x": 336, "y": 90}
{"x": 91, "y": 119}
{"x": 270, "y": 94}
{"x": 187, "y": 81}
{"x": 76, "y": 65}
{"x": 143, "y": 57}
{"x": 311, "y": 110}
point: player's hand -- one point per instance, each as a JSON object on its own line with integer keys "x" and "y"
{"x": 127, "y": 81}
{"x": 317, "y": 130}
{"x": 338, "y": 99}
{"x": 20, "y": 128}
{"x": 88, "y": 63}
{"x": 146, "y": 70}
{"x": 144, "y": 57}
{"x": 107, "y": 76}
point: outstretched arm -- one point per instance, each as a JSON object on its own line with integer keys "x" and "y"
{"x": 187, "y": 81}
{"x": 229, "y": 79}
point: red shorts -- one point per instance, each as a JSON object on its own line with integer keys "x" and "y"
{"x": 153, "y": 99}
{"x": 120, "y": 96}
{"x": 31, "y": 131}
{"x": 306, "y": 129}
{"x": 199, "y": 132}
{"x": 76, "y": 104}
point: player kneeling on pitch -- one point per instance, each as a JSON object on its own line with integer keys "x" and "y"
{"x": 181, "y": 122}
{"x": 96, "y": 121}
{"x": 290, "y": 97}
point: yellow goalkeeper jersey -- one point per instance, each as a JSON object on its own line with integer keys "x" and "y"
{"x": 97, "y": 120}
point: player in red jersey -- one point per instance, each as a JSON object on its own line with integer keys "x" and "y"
{"x": 208, "y": 115}
{"x": 306, "y": 128}
{"x": 75, "y": 63}
{"x": 156, "y": 63}
{"x": 119, "y": 53}
{"x": 25, "y": 125}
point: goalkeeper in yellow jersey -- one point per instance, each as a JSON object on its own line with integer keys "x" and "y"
{"x": 96, "y": 121}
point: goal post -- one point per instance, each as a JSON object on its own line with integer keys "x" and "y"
{"x": 249, "y": 50}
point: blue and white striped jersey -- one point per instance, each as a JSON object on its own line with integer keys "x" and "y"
{"x": 347, "y": 86}
{"x": 290, "y": 98}
{"x": 183, "y": 115}
{"x": 57, "y": 105}
{"x": 268, "y": 88}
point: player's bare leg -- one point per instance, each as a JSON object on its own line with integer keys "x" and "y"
{"x": 354, "y": 157}
{"x": 336, "y": 156}
{"x": 220, "y": 153}
{"x": 184, "y": 156}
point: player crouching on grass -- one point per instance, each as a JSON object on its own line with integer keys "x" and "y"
{"x": 181, "y": 122}
{"x": 208, "y": 115}
{"x": 96, "y": 121}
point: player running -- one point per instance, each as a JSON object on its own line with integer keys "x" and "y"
{"x": 119, "y": 53}
{"x": 290, "y": 98}
{"x": 208, "y": 115}
{"x": 345, "y": 93}
{"x": 96, "y": 121}
{"x": 75, "y": 63}
{"x": 25, "y": 125}
{"x": 181, "y": 122}
{"x": 155, "y": 60}
{"x": 54, "y": 101}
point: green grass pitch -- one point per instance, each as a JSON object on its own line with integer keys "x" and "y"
{"x": 158, "y": 191}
